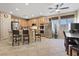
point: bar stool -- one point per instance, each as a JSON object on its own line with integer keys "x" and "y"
{"x": 37, "y": 35}
{"x": 16, "y": 37}
{"x": 25, "y": 36}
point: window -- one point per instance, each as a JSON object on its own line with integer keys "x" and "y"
{"x": 65, "y": 23}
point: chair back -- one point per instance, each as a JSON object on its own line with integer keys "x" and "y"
{"x": 76, "y": 41}
{"x": 15, "y": 32}
{"x": 64, "y": 34}
{"x": 25, "y": 31}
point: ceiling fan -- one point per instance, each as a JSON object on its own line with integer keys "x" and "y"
{"x": 58, "y": 7}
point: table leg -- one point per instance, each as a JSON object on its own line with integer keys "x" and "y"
{"x": 67, "y": 46}
{"x": 77, "y": 53}
{"x": 71, "y": 51}
{"x": 67, "y": 50}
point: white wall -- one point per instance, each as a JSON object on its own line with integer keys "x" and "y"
{"x": 5, "y": 25}
{"x": 77, "y": 16}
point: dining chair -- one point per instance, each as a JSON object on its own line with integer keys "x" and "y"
{"x": 25, "y": 36}
{"x": 68, "y": 42}
{"x": 37, "y": 35}
{"x": 65, "y": 41}
{"x": 75, "y": 48}
{"x": 16, "y": 37}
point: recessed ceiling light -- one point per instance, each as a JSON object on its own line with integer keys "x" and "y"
{"x": 11, "y": 12}
{"x": 32, "y": 15}
{"x": 17, "y": 9}
{"x": 26, "y": 3}
{"x": 41, "y": 13}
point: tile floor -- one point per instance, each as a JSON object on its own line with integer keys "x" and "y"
{"x": 47, "y": 47}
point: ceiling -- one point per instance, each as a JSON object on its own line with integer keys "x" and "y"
{"x": 35, "y": 9}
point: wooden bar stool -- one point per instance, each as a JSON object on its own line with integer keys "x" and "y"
{"x": 16, "y": 37}
{"x": 37, "y": 35}
{"x": 25, "y": 36}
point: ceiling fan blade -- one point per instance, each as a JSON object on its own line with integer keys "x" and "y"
{"x": 64, "y": 8}
{"x": 51, "y": 8}
{"x": 52, "y": 11}
{"x": 61, "y": 4}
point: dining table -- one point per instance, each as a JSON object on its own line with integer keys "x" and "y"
{"x": 71, "y": 36}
